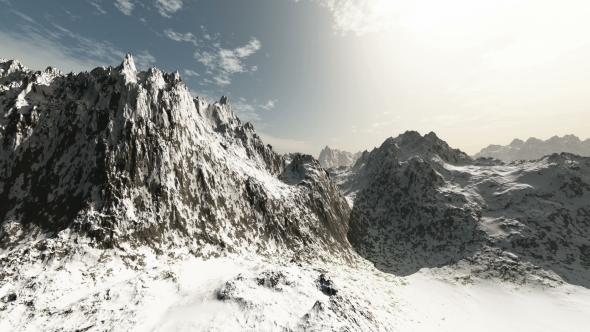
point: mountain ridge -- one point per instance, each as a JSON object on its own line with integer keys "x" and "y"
{"x": 419, "y": 203}
{"x": 138, "y": 159}
{"x": 535, "y": 148}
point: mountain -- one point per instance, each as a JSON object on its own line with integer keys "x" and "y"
{"x": 419, "y": 203}
{"x": 129, "y": 204}
{"x": 124, "y": 156}
{"x": 535, "y": 148}
{"x": 118, "y": 177}
{"x": 335, "y": 158}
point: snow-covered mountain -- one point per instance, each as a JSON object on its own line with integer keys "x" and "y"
{"x": 535, "y": 148}
{"x": 117, "y": 174}
{"x": 128, "y": 204}
{"x": 124, "y": 156}
{"x": 419, "y": 203}
{"x": 335, "y": 158}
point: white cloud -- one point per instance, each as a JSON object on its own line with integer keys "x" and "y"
{"x": 63, "y": 49}
{"x": 248, "y": 49}
{"x": 168, "y": 7}
{"x": 379, "y": 124}
{"x": 98, "y": 7}
{"x": 246, "y": 111}
{"x": 375, "y": 127}
{"x": 268, "y": 105}
{"x": 223, "y": 63}
{"x": 90, "y": 48}
{"x": 125, "y": 6}
{"x": 361, "y": 16}
{"x": 74, "y": 17}
{"x": 23, "y": 16}
{"x": 25, "y": 42}
{"x": 186, "y": 37}
{"x": 144, "y": 60}
{"x": 209, "y": 96}
{"x": 188, "y": 72}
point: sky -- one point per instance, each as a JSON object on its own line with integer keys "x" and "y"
{"x": 343, "y": 73}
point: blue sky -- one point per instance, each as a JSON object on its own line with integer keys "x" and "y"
{"x": 344, "y": 73}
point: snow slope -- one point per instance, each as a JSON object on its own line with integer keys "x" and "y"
{"x": 98, "y": 290}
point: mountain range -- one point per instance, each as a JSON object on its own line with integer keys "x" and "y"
{"x": 535, "y": 148}
{"x": 129, "y": 204}
{"x": 419, "y": 203}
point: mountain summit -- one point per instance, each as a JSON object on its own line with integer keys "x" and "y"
{"x": 335, "y": 158}
{"x": 419, "y": 203}
{"x": 121, "y": 157}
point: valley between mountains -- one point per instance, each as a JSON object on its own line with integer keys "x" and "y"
{"x": 127, "y": 204}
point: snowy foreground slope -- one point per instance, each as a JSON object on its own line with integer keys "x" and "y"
{"x": 127, "y": 204}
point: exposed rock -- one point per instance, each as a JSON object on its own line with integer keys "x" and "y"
{"x": 8, "y": 298}
{"x": 326, "y": 285}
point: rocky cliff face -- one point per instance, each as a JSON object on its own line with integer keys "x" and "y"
{"x": 419, "y": 203}
{"x": 117, "y": 156}
{"x": 335, "y": 158}
{"x": 535, "y": 148}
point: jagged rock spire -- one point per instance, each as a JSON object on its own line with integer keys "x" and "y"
{"x": 128, "y": 68}
{"x": 128, "y": 63}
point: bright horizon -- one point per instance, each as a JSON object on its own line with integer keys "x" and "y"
{"x": 342, "y": 73}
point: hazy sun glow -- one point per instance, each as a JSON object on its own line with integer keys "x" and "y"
{"x": 344, "y": 73}
{"x": 477, "y": 72}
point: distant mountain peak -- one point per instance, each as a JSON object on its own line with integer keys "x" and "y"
{"x": 517, "y": 143}
{"x": 335, "y": 158}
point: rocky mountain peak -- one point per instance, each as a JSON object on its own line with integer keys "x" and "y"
{"x": 128, "y": 70}
{"x": 518, "y": 143}
{"x": 128, "y": 64}
{"x": 224, "y": 100}
{"x": 411, "y": 144}
{"x": 116, "y": 157}
{"x": 336, "y": 158}
{"x": 8, "y": 67}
